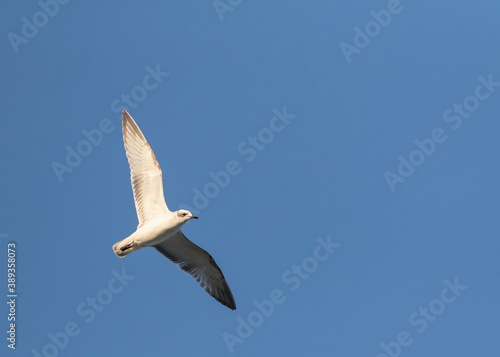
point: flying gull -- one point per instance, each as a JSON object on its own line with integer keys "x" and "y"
{"x": 158, "y": 226}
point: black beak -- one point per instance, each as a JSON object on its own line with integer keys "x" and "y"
{"x": 195, "y": 217}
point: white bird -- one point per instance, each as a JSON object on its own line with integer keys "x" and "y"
{"x": 158, "y": 226}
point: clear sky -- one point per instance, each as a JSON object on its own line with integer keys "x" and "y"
{"x": 343, "y": 158}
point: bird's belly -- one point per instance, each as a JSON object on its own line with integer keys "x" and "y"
{"x": 155, "y": 233}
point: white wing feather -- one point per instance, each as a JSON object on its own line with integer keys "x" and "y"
{"x": 145, "y": 173}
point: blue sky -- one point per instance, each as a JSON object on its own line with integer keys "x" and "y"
{"x": 361, "y": 215}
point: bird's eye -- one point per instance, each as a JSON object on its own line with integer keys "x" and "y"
{"x": 184, "y": 214}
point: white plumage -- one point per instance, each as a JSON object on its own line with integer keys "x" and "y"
{"x": 158, "y": 226}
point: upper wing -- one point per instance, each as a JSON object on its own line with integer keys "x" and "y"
{"x": 145, "y": 172}
{"x": 200, "y": 265}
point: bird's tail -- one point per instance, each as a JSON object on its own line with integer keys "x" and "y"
{"x": 125, "y": 247}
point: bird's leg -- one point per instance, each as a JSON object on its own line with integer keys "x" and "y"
{"x": 127, "y": 246}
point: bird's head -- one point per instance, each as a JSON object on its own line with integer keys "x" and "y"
{"x": 184, "y": 215}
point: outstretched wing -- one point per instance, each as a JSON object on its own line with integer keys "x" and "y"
{"x": 200, "y": 265}
{"x": 145, "y": 173}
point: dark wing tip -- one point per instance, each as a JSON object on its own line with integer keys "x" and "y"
{"x": 222, "y": 293}
{"x": 224, "y": 296}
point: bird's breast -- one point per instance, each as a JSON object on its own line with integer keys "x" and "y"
{"x": 157, "y": 231}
